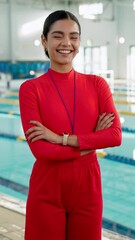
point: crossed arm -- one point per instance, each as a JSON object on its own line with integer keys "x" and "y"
{"x": 39, "y": 131}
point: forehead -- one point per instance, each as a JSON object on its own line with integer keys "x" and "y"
{"x": 65, "y": 25}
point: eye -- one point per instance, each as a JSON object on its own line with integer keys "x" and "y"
{"x": 74, "y": 38}
{"x": 57, "y": 36}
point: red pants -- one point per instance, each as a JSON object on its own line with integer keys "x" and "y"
{"x": 65, "y": 200}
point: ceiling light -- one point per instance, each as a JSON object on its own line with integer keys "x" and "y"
{"x": 122, "y": 120}
{"x": 134, "y": 154}
{"x": 134, "y": 5}
{"x": 32, "y": 72}
{"x": 90, "y": 9}
{"x": 121, "y": 40}
{"x": 89, "y": 16}
{"x": 36, "y": 42}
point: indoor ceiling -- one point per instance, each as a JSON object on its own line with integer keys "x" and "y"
{"x": 52, "y": 4}
{"x": 66, "y": 2}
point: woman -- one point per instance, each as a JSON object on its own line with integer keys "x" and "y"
{"x": 66, "y": 116}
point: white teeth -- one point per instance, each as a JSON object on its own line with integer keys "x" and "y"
{"x": 64, "y": 51}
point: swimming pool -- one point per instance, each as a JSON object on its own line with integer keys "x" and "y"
{"x": 118, "y": 172}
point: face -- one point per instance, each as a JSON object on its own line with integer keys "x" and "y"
{"x": 62, "y": 43}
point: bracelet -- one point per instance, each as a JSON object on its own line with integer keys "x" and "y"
{"x": 65, "y": 139}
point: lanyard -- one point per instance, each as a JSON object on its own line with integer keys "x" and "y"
{"x": 65, "y": 106}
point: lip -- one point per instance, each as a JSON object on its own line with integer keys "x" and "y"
{"x": 64, "y": 51}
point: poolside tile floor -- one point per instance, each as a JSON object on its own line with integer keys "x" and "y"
{"x": 12, "y": 221}
{"x": 11, "y": 225}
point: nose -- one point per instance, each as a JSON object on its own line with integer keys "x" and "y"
{"x": 66, "y": 41}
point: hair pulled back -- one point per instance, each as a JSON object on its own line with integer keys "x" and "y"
{"x": 55, "y": 16}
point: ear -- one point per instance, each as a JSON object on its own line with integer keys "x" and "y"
{"x": 43, "y": 40}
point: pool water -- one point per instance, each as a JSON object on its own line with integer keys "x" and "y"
{"x": 9, "y": 107}
{"x": 118, "y": 192}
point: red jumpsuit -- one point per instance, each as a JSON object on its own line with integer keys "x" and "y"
{"x": 65, "y": 194}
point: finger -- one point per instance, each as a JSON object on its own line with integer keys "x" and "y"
{"x": 34, "y": 133}
{"x": 107, "y": 118}
{"x": 111, "y": 115}
{"x": 102, "y": 116}
{"x": 107, "y": 124}
{"x": 32, "y": 129}
{"x": 35, "y": 123}
{"x": 39, "y": 137}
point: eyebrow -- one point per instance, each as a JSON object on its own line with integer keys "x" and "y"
{"x": 60, "y": 32}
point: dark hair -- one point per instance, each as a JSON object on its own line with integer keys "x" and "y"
{"x": 55, "y": 16}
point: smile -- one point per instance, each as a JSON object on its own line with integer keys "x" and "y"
{"x": 65, "y": 51}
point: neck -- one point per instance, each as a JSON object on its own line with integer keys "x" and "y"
{"x": 61, "y": 68}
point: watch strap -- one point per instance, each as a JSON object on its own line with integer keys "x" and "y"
{"x": 65, "y": 139}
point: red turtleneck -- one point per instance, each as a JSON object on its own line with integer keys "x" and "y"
{"x": 40, "y": 100}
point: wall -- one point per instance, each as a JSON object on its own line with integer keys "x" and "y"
{"x": 4, "y": 32}
{"x": 16, "y": 46}
{"x": 101, "y": 33}
{"x": 125, "y": 28}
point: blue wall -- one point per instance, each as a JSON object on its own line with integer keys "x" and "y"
{"x": 21, "y": 70}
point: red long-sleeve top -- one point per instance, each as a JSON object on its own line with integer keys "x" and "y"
{"x": 40, "y": 101}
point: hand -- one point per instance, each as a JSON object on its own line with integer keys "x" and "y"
{"x": 84, "y": 152}
{"x": 38, "y": 132}
{"x": 104, "y": 121}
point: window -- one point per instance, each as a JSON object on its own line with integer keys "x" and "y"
{"x": 95, "y": 59}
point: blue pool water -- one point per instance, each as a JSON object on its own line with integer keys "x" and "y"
{"x": 118, "y": 192}
{"x": 15, "y": 166}
{"x": 9, "y": 107}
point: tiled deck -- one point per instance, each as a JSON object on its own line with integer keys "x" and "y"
{"x": 11, "y": 225}
{"x": 12, "y": 220}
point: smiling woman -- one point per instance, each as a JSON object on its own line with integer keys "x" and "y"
{"x": 66, "y": 117}
{"x": 62, "y": 43}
